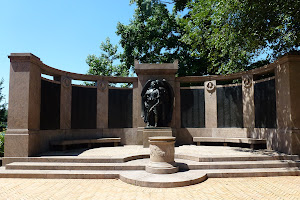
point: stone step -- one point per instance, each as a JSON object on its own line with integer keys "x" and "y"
{"x": 179, "y": 179}
{"x": 60, "y": 174}
{"x": 75, "y": 159}
{"x": 136, "y": 177}
{"x": 240, "y": 164}
{"x": 237, "y": 158}
{"x": 140, "y": 165}
{"x": 144, "y": 179}
{"x": 73, "y": 166}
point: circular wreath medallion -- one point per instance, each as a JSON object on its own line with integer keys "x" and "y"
{"x": 66, "y": 82}
{"x": 102, "y": 85}
{"x": 210, "y": 86}
{"x": 247, "y": 80}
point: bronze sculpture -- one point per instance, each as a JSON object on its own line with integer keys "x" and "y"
{"x": 157, "y": 103}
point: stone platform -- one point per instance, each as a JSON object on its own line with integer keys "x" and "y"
{"x": 196, "y": 164}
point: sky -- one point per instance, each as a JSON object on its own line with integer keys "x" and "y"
{"x": 62, "y": 33}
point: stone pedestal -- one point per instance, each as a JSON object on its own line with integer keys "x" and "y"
{"x": 162, "y": 155}
{"x": 154, "y": 132}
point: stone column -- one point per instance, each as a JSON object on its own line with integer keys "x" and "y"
{"x": 102, "y": 104}
{"x": 287, "y": 80}
{"x": 24, "y": 104}
{"x": 177, "y": 106}
{"x": 135, "y": 105}
{"x": 248, "y": 102}
{"x": 65, "y": 102}
{"x": 288, "y": 92}
{"x": 211, "y": 118}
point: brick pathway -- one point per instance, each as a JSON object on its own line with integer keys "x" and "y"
{"x": 228, "y": 188}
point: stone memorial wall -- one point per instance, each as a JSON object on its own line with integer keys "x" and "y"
{"x": 43, "y": 110}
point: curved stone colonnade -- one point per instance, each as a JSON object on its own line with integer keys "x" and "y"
{"x": 261, "y": 103}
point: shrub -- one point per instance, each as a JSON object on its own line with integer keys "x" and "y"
{"x": 2, "y": 144}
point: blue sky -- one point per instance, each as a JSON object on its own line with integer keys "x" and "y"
{"x": 60, "y": 32}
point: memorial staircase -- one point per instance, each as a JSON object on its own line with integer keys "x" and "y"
{"x": 131, "y": 168}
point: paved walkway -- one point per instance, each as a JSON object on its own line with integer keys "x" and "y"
{"x": 227, "y": 188}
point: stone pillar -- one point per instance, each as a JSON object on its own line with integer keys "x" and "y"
{"x": 65, "y": 102}
{"x": 287, "y": 81}
{"x": 177, "y": 106}
{"x": 210, "y": 94}
{"x": 288, "y": 92}
{"x": 162, "y": 154}
{"x": 248, "y": 102}
{"x": 24, "y": 104}
{"x": 136, "y": 101}
{"x": 102, "y": 104}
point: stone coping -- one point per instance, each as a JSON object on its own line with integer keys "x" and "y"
{"x": 171, "y": 66}
{"x": 86, "y": 141}
{"x": 161, "y": 139}
{"x": 230, "y": 140}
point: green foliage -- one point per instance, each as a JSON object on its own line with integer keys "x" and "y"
{"x": 2, "y": 143}
{"x": 212, "y": 37}
{"x": 234, "y": 32}
{"x": 105, "y": 64}
{"x": 154, "y": 36}
{"x": 3, "y": 109}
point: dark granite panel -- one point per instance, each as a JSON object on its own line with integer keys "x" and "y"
{"x": 84, "y": 108}
{"x": 265, "y": 104}
{"x": 230, "y": 106}
{"x": 50, "y": 106}
{"x": 192, "y": 108}
{"x": 120, "y": 108}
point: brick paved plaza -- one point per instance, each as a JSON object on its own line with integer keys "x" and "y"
{"x": 287, "y": 187}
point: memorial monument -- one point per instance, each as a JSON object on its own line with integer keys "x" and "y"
{"x": 157, "y": 109}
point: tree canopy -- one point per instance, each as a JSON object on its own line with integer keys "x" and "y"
{"x": 235, "y": 31}
{"x": 3, "y": 110}
{"x": 206, "y": 36}
{"x": 108, "y": 63}
{"x": 154, "y": 36}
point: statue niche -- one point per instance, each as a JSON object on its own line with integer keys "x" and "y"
{"x": 157, "y": 103}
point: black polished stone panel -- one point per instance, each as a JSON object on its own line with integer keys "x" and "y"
{"x": 84, "y": 108}
{"x": 192, "y": 108}
{"x": 50, "y": 105}
{"x": 230, "y": 106}
{"x": 120, "y": 108}
{"x": 265, "y": 104}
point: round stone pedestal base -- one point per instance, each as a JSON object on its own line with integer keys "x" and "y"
{"x": 162, "y": 155}
{"x": 162, "y": 168}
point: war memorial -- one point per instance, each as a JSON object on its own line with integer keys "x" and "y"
{"x": 164, "y": 131}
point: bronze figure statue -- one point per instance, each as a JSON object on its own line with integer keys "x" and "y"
{"x": 157, "y": 103}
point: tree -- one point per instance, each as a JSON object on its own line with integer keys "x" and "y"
{"x": 3, "y": 110}
{"x": 108, "y": 63}
{"x": 206, "y": 36}
{"x": 154, "y": 36}
{"x": 235, "y": 31}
